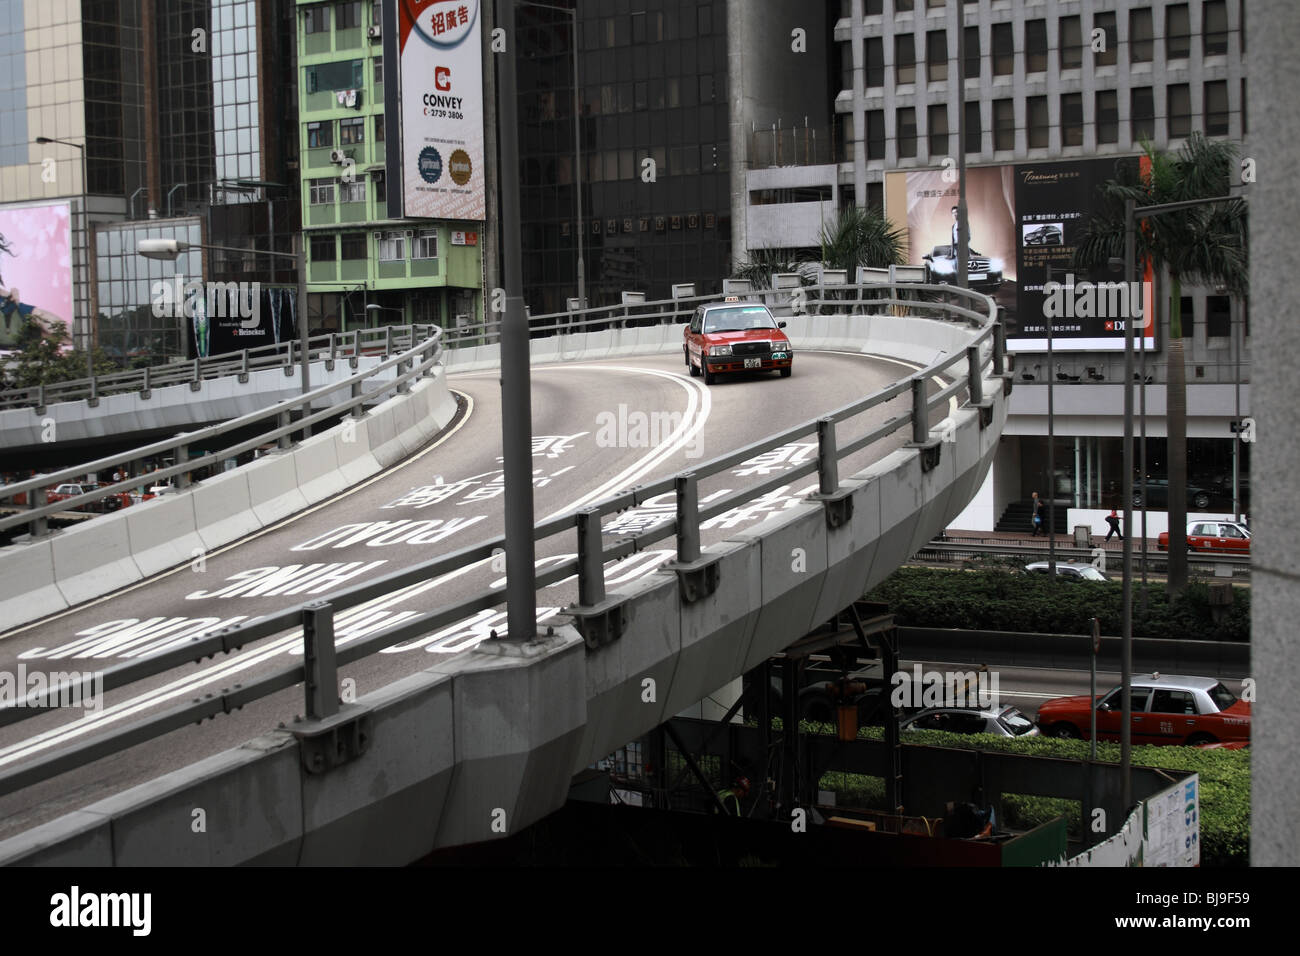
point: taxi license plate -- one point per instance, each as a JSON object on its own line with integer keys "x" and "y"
{"x": 753, "y": 363}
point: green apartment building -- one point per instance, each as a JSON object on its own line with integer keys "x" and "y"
{"x": 357, "y": 257}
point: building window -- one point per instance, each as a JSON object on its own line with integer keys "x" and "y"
{"x": 875, "y": 134}
{"x": 1004, "y": 124}
{"x": 316, "y": 19}
{"x": 1071, "y": 43}
{"x": 1178, "y": 32}
{"x": 936, "y": 56}
{"x": 426, "y": 245}
{"x": 1142, "y": 113}
{"x": 354, "y": 191}
{"x": 1216, "y": 108}
{"x": 392, "y": 246}
{"x": 379, "y": 127}
{"x": 1071, "y": 119}
{"x": 376, "y": 14}
{"x": 339, "y": 75}
{"x": 352, "y": 131}
{"x": 320, "y": 134}
{"x": 937, "y": 122}
{"x": 904, "y": 59}
{"x": 1105, "y": 22}
{"x": 349, "y": 15}
{"x": 381, "y": 191}
{"x": 1036, "y": 46}
{"x": 1179, "y": 110}
{"x": 1107, "y": 121}
{"x": 906, "y": 120}
{"x": 1218, "y": 316}
{"x": 322, "y": 248}
{"x": 1004, "y": 50}
{"x": 974, "y": 129}
{"x": 354, "y": 245}
{"x": 875, "y": 62}
{"x": 972, "y": 68}
{"x": 1214, "y": 28}
{"x": 320, "y": 192}
{"x": 1187, "y": 312}
{"x": 379, "y": 71}
{"x": 1036, "y": 122}
{"x": 1141, "y": 36}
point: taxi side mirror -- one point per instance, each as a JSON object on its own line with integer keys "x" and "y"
{"x": 780, "y": 325}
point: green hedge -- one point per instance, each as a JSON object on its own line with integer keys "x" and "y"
{"x": 1224, "y": 780}
{"x": 1008, "y": 601}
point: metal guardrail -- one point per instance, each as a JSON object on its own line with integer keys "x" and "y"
{"x": 1157, "y": 561}
{"x": 321, "y": 659}
{"x": 286, "y": 355}
{"x": 421, "y": 351}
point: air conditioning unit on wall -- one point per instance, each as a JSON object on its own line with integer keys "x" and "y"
{"x": 373, "y": 33}
{"x": 338, "y": 156}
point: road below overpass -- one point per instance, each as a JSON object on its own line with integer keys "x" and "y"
{"x": 599, "y": 428}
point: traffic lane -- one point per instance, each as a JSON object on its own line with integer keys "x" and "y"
{"x": 368, "y": 674}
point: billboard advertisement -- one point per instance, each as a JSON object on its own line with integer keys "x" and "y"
{"x": 440, "y": 152}
{"x": 36, "y": 269}
{"x": 220, "y": 317}
{"x": 1023, "y": 220}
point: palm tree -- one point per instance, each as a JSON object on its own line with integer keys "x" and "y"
{"x": 1206, "y": 245}
{"x": 862, "y": 237}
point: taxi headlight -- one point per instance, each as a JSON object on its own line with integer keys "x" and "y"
{"x": 719, "y": 349}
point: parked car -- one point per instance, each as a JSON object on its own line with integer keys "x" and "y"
{"x": 1212, "y": 536}
{"x": 1070, "y": 570}
{"x": 1167, "y": 709}
{"x": 983, "y": 273}
{"x": 69, "y": 490}
{"x": 1001, "y": 721}
{"x": 1158, "y": 494}
{"x": 735, "y": 336}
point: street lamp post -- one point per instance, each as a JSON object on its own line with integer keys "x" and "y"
{"x": 85, "y": 235}
{"x": 168, "y": 249}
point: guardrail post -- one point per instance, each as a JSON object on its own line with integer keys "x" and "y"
{"x": 388, "y": 341}
{"x": 93, "y": 398}
{"x": 182, "y": 456}
{"x": 40, "y": 399}
{"x": 40, "y": 526}
{"x": 283, "y": 442}
{"x": 920, "y": 416}
{"x": 320, "y": 669}
{"x": 243, "y": 363}
{"x": 402, "y": 369}
{"x": 999, "y": 348}
{"x": 974, "y": 375}
{"x": 357, "y": 410}
{"x": 688, "y": 518}
{"x": 828, "y": 471}
{"x": 196, "y": 373}
{"x": 591, "y": 558}
{"x": 334, "y": 347}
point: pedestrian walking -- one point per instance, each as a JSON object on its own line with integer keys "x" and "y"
{"x": 1037, "y": 513}
{"x": 1112, "y": 519}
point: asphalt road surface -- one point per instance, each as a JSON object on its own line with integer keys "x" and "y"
{"x": 599, "y": 428}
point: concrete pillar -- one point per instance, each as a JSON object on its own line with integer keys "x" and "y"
{"x": 1273, "y": 35}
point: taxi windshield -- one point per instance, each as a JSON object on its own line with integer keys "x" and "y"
{"x": 738, "y": 319}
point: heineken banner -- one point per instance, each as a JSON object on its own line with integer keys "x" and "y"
{"x": 436, "y": 162}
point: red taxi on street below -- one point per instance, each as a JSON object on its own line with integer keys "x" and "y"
{"x": 1167, "y": 709}
{"x": 734, "y": 336}
{"x": 1212, "y": 536}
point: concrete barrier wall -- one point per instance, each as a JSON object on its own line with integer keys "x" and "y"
{"x": 174, "y": 407}
{"x": 484, "y": 744}
{"x": 109, "y": 552}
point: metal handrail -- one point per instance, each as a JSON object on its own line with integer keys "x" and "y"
{"x": 428, "y": 352}
{"x": 316, "y": 618}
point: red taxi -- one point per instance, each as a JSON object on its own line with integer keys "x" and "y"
{"x": 1212, "y": 536}
{"x": 734, "y": 336}
{"x": 1166, "y": 710}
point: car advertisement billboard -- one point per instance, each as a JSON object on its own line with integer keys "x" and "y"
{"x": 35, "y": 269}
{"x": 1023, "y": 220}
{"x": 439, "y": 98}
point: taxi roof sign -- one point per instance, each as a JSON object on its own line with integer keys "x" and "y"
{"x": 732, "y": 298}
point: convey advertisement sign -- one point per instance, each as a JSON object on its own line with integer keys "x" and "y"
{"x": 440, "y": 102}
